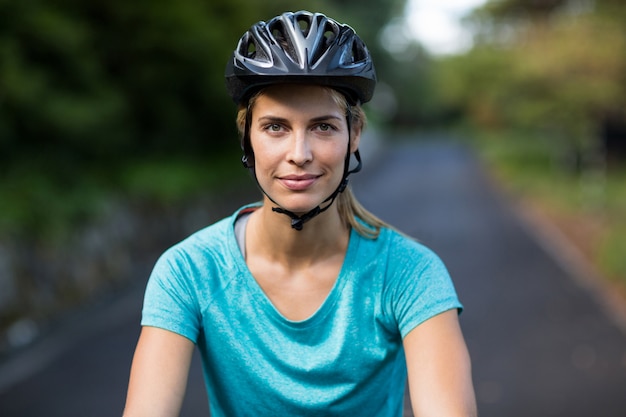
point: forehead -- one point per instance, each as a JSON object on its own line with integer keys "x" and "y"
{"x": 300, "y": 97}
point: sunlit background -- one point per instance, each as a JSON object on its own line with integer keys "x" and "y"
{"x": 438, "y": 25}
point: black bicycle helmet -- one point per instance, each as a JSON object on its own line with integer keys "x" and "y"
{"x": 301, "y": 47}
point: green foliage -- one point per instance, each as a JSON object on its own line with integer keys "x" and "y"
{"x": 170, "y": 180}
{"x": 515, "y": 9}
{"x": 41, "y": 203}
{"x": 475, "y": 86}
{"x": 551, "y": 67}
{"x": 611, "y": 250}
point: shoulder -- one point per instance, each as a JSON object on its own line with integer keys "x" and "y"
{"x": 396, "y": 258}
{"x": 411, "y": 264}
{"x": 418, "y": 284}
{"x": 404, "y": 251}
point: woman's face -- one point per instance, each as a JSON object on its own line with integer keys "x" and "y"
{"x": 299, "y": 136}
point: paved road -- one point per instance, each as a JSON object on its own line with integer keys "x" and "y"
{"x": 542, "y": 345}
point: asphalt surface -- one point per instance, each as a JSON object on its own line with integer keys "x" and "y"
{"x": 543, "y": 343}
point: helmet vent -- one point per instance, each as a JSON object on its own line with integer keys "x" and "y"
{"x": 304, "y": 24}
{"x": 251, "y": 52}
{"x": 279, "y": 34}
{"x": 249, "y": 48}
{"x": 329, "y": 36}
{"x": 359, "y": 53}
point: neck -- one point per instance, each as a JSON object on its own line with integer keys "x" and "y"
{"x": 270, "y": 234}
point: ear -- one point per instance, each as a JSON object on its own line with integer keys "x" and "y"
{"x": 355, "y": 139}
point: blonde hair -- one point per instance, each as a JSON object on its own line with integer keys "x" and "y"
{"x": 351, "y": 211}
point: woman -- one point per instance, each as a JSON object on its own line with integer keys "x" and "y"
{"x": 304, "y": 304}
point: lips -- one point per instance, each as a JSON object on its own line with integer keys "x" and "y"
{"x": 298, "y": 182}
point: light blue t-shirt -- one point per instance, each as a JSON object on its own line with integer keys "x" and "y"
{"x": 344, "y": 360}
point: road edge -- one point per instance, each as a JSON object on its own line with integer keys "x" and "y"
{"x": 572, "y": 260}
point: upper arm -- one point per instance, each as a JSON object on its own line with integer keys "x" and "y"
{"x": 439, "y": 369}
{"x": 159, "y": 372}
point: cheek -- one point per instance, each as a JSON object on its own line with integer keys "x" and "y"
{"x": 263, "y": 153}
{"x": 266, "y": 161}
{"x": 337, "y": 153}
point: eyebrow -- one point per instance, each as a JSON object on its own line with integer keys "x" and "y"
{"x": 278, "y": 119}
{"x": 326, "y": 117}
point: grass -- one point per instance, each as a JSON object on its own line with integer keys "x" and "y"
{"x": 587, "y": 206}
{"x": 612, "y": 254}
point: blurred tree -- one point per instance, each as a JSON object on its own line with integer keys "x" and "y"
{"x": 474, "y": 86}
{"x": 545, "y": 64}
{"x": 410, "y": 78}
{"x": 517, "y": 9}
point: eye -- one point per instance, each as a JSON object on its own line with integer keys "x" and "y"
{"x": 326, "y": 127}
{"x": 273, "y": 127}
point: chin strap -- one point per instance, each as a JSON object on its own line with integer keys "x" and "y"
{"x": 297, "y": 222}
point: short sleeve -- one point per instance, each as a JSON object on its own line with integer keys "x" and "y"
{"x": 421, "y": 286}
{"x": 170, "y": 302}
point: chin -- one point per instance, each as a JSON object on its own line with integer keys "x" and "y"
{"x": 298, "y": 205}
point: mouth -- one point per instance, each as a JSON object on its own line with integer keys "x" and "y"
{"x": 298, "y": 182}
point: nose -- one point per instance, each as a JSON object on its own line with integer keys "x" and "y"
{"x": 300, "y": 152}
